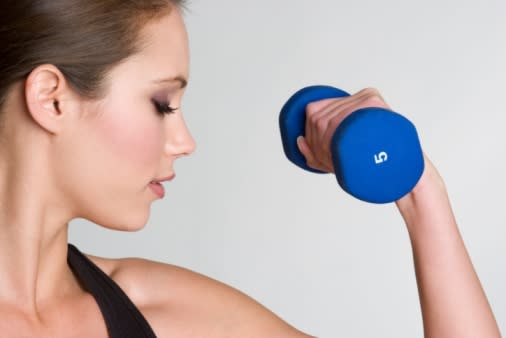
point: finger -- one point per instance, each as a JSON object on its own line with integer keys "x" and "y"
{"x": 319, "y": 120}
{"x": 312, "y": 109}
{"x": 321, "y": 125}
{"x": 345, "y": 104}
{"x": 316, "y": 106}
{"x": 368, "y": 98}
{"x": 373, "y": 92}
{"x": 311, "y": 160}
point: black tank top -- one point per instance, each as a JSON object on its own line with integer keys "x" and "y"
{"x": 122, "y": 318}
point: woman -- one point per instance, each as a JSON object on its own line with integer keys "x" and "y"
{"x": 89, "y": 123}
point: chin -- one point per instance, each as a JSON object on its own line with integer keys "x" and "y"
{"x": 128, "y": 227}
{"x": 127, "y": 222}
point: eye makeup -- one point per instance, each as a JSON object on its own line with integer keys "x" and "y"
{"x": 163, "y": 108}
{"x": 161, "y": 104}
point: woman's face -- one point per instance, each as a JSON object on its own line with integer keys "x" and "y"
{"x": 123, "y": 143}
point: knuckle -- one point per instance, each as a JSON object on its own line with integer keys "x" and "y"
{"x": 313, "y": 118}
{"x": 312, "y": 108}
{"x": 374, "y": 101}
{"x": 372, "y": 97}
{"x": 371, "y": 91}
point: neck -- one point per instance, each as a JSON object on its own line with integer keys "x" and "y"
{"x": 33, "y": 227}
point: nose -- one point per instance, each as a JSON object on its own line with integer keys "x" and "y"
{"x": 179, "y": 139}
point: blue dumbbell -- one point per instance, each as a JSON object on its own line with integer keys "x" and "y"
{"x": 376, "y": 152}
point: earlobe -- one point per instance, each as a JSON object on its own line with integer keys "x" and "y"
{"x": 44, "y": 88}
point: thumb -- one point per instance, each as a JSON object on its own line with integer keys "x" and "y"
{"x": 305, "y": 150}
{"x": 302, "y": 148}
{"x": 311, "y": 160}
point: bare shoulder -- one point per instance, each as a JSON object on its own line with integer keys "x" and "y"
{"x": 182, "y": 303}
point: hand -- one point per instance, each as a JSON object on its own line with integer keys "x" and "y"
{"x": 322, "y": 119}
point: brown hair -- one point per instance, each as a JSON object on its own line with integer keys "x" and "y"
{"x": 83, "y": 38}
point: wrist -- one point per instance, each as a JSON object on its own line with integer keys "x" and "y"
{"x": 427, "y": 197}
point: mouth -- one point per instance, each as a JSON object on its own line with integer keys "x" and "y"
{"x": 158, "y": 189}
{"x": 168, "y": 178}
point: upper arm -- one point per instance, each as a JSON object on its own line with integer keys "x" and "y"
{"x": 183, "y": 303}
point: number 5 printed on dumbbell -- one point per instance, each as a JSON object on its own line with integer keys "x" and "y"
{"x": 381, "y": 157}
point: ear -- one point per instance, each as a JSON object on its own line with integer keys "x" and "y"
{"x": 48, "y": 97}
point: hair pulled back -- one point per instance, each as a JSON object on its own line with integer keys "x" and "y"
{"x": 83, "y": 38}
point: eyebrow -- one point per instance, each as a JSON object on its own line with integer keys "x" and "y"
{"x": 182, "y": 81}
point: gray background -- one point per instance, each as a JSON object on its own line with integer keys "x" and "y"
{"x": 239, "y": 212}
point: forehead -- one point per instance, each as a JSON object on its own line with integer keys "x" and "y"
{"x": 165, "y": 47}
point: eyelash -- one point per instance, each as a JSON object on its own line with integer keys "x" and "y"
{"x": 163, "y": 108}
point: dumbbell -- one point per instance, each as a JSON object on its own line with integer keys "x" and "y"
{"x": 376, "y": 152}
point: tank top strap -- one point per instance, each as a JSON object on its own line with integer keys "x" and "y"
{"x": 122, "y": 318}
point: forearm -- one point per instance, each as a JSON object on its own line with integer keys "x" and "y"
{"x": 452, "y": 300}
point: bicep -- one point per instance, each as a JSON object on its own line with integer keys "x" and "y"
{"x": 224, "y": 311}
{"x": 183, "y": 303}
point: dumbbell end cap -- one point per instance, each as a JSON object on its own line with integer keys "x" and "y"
{"x": 292, "y": 120}
{"x": 377, "y": 155}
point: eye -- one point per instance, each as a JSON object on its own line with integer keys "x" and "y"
{"x": 163, "y": 108}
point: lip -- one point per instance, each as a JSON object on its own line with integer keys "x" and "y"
{"x": 168, "y": 178}
{"x": 157, "y": 188}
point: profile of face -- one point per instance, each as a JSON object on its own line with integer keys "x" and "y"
{"x": 122, "y": 142}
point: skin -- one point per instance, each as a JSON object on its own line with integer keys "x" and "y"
{"x": 95, "y": 160}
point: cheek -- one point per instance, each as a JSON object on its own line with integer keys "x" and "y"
{"x": 133, "y": 142}
{"x": 108, "y": 163}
